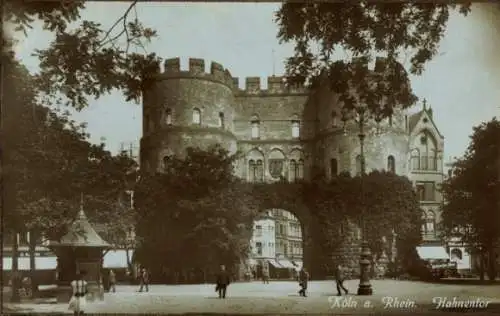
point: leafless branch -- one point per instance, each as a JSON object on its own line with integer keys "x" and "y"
{"x": 107, "y": 39}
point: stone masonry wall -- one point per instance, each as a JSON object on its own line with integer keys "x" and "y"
{"x": 323, "y": 135}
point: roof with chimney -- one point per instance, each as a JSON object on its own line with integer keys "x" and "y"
{"x": 81, "y": 234}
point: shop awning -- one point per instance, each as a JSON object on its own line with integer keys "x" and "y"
{"x": 274, "y": 263}
{"x": 117, "y": 258}
{"x": 23, "y": 263}
{"x": 286, "y": 264}
{"x": 432, "y": 252}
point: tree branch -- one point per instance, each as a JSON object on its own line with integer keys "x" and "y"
{"x": 123, "y": 19}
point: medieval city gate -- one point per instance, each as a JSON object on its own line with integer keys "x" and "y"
{"x": 290, "y": 197}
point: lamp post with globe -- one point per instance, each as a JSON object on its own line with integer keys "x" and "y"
{"x": 369, "y": 94}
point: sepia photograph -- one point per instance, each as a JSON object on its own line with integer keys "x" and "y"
{"x": 249, "y": 158}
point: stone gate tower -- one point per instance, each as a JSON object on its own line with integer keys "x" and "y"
{"x": 181, "y": 109}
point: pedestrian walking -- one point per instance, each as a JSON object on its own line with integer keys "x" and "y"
{"x": 265, "y": 276}
{"x": 128, "y": 276}
{"x": 303, "y": 280}
{"x": 144, "y": 279}
{"x": 339, "y": 278}
{"x": 112, "y": 281}
{"x": 222, "y": 282}
{"x": 78, "y": 300}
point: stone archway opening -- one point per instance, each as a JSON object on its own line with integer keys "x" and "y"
{"x": 276, "y": 246}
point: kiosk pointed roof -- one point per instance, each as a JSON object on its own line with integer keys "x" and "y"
{"x": 82, "y": 234}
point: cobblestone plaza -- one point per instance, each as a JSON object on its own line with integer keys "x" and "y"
{"x": 281, "y": 297}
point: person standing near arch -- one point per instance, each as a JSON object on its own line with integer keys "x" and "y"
{"x": 303, "y": 280}
{"x": 222, "y": 282}
{"x": 265, "y": 275}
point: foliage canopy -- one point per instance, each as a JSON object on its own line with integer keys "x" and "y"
{"x": 48, "y": 162}
{"x": 472, "y": 209}
{"x": 364, "y": 30}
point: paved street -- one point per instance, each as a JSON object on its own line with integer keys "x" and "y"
{"x": 280, "y": 297}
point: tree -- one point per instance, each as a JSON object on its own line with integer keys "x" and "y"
{"x": 87, "y": 61}
{"x": 363, "y": 30}
{"x": 471, "y": 212}
{"x": 198, "y": 205}
{"x": 47, "y": 163}
{"x": 392, "y": 207}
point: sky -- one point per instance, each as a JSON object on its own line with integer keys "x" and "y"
{"x": 461, "y": 84}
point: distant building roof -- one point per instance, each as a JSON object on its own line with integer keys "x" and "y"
{"x": 415, "y": 118}
{"x": 81, "y": 234}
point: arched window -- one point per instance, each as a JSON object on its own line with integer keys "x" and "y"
{"x": 168, "y": 116}
{"x": 276, "y": 162}
{"x": 196, "y": 116}
{"x": 296, "y": 165}
{"x": 333, "y": 167}
{"x": 255, "y": 127}
{"x": 358, "y": 165}
{"x": 252, "y": 170}
{"x": 292, "y": 173}
{"x": 221, "y": 119}
{"x": 391, "y": 164}
{"x": 300, "y": 170}
{"x": 255, "y": 165}
{"x": 415, "y": 159}
{"x": 295, "y": 129}
{"x": 260, "y": 171}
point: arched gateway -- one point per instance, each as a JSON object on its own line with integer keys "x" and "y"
{"x": 292, "y": 198}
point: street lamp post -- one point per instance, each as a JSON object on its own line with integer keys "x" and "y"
{"x": 364, "y": 288}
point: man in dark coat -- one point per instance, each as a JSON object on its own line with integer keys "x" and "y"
{"x": 223, "y": 280}
{"x": 339, "y": 277}
{"x": 144, "y": 279}
{"x": 303, "y": 279}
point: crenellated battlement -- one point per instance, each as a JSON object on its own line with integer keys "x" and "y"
{"x": 275, "y": 85}
{"x": 217, "y": 72}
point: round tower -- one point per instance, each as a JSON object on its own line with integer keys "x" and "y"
{"x": 184, "y": 109}
{"x": 338, "y": 146}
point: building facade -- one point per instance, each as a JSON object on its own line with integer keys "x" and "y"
{"x": 263, "y": 239}
{"x": 285, "y": 133}
{"x": 276, "y": 244}
{"x": 289, "y": 243}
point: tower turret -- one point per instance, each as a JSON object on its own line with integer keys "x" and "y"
{"x": 182, "y": 109}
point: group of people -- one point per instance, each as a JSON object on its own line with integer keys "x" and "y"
{"x": 223, "y": 280}
{"x": 143, "y": 280}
